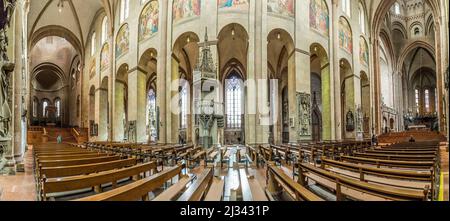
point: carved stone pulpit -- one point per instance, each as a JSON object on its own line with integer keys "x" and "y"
{"x": 207, "y": 110}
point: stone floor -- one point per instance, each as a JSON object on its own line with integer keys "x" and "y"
{"x": 444, "y": 169}
{"x": 20, "y": 187}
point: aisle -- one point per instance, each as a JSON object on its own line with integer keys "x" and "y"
{"x": 20, "y": 187}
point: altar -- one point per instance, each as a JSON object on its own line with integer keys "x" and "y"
{"x": 418, "y": 128}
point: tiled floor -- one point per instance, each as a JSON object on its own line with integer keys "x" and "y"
{"x": 20, "y": 187}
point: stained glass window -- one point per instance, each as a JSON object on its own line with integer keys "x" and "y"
{"x": 151, "y": 114}
{"x": 44, "y": 108}
{"x": 417, "y": 101}
{"x": 427, "y": 101}
{"x": 104, "y": 30}
{"x": 58, "y": 107}
{"x": 233, "y": 98}
{"x": 124, "y": 10}
{"x": 184, "y": 105}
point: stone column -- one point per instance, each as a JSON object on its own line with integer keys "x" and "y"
{"x": 326, "y": 103}
{"x": 101, "y": 102}
{"x": 119, "y": 110}
{"x": 334, "y": 56}
{"x": 137, "y": 103}
{"x": 258, "y": 101}
{"x": 19, "y": 129}
{"x": 162, "y": 73}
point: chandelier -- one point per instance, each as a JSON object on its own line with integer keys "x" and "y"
{"x": 61, "y": 5}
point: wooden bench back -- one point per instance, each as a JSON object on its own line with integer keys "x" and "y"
{"x": 198, "y": 190}
{"x": 139, "y": 189}
{"x": 56, "y": 185}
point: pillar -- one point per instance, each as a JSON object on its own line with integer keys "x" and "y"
{"x": 137, "y": 91}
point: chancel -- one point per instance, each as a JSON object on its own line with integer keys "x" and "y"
{"x": 243, "y": 100}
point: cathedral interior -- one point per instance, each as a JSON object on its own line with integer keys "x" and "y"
{"x": 241, "y": 100}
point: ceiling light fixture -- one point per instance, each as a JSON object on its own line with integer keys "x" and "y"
{"x": 278, "y": 36}
{"x": 60, "y": 5}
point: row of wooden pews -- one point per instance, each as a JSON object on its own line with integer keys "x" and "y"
{"x": 406, "y": 171}
{"x": 64, "y": 170}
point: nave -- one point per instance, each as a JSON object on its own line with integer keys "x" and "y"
{"x": 340, "y": 171}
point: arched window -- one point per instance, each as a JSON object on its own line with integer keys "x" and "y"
{"x": 184, "y": 104}
{"x": 417, "y": 96}
{"x": 233, "y": 99}
{"x": 93, "y": 39}
{"x": 124, "y": 10}
{"x": 346, "y": 7}
{"x": 427, "y": 101}
{"x": 105, "y": 25}
{"x": 44, "y": 108}
{"x": 397, "y": 8}
{"x": 35, "y": 107}
{"x": 151, "y": 115}
{"x": 362, "y": 19}
{"x": 58, "y": 107}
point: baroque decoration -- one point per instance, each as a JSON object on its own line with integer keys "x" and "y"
{"x": 304, "y": 114}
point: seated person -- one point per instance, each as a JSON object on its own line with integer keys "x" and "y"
{"x": 412, "y": 140}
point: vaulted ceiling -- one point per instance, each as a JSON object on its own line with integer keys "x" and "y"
{"x": 76, "y": 16}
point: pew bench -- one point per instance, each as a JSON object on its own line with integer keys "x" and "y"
{"x": 66, "y": 184}
{"x": 140, "y": 189}
{"x": 278, "y": 182}
{"x": 356, "y": 189}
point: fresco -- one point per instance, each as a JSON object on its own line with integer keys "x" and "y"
{"x": 92, "y": 70}
{"x": 149, "y": 20}
{"x": 182, "y": 9}
{"x": 123, "y": 41}
{"x": 104, "y": 58}
{"x": 345, "y": 36}
{"x": 281, "y": 7}
{"x": 363, "y": 51}
{"x": 233, "y": 4}
{"x": 319, "y": 18}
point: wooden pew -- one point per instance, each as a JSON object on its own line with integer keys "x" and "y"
{"x": 381, "y": 156}
{"x": 393, "y": 152}
{"x": 224, "y": 157}
{"x": 196, "y": 158}
{"x": 279, "y": 182}
{"x": 70, "y": 157}
{"x": 138, "y": 190}
{"x": 58, "y": 185}
{"x": 215, "y": 192}
{"x": 198, "y": 190}
{"x": 409, "y": 175}
{"x": 74, "y": 162}
{"x": 250, "y": 189}
{"x": 345, "y": 186}
{"x": 425, "y": 165}
{"x": 211, "y": 156}
{"x": 173, "y": 192}
{"x": 66, "y": 171}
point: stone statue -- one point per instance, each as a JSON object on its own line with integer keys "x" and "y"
{"x": 7, "y": 8}
{"x": 6, "y": 69}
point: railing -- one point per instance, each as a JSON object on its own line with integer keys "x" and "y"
{"x": 80, "y": 136}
